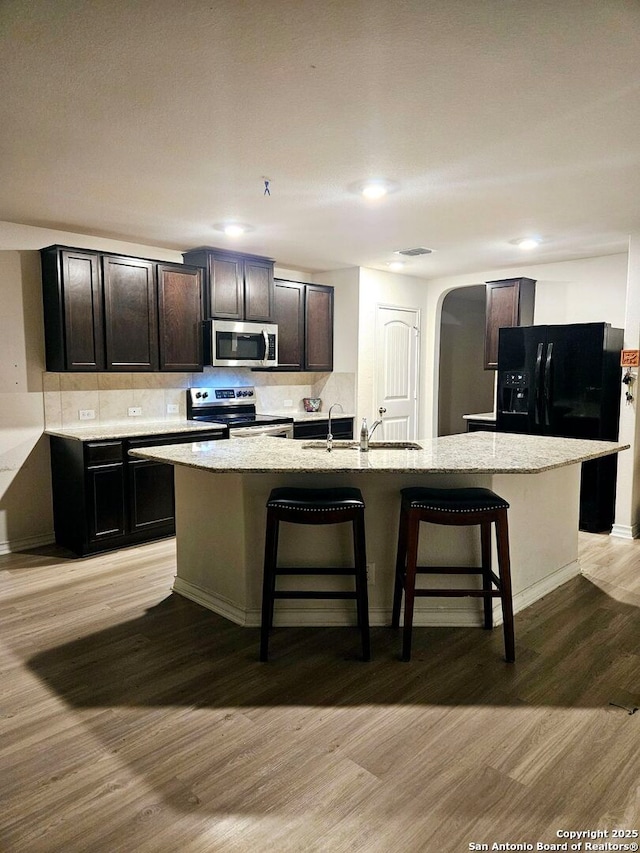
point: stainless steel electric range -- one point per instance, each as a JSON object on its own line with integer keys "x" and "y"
{"x": 236, "y": 408}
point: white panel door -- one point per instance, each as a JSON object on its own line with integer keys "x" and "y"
{"x": 396, "y": 371}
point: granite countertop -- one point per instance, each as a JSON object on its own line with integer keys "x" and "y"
{"x": 100, "y": 432}
{"x": 483, "y": 416}
{"x": 476, "y": 452}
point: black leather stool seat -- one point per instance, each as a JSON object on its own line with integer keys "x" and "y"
{"x": 314, "y": 500}
{"x": 469, "y": 506}
{"x": 315, "y": 507}
{"x": 453, "y": 500}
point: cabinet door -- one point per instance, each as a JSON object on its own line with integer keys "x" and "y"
{"x": 318, "y": 327}
{"x": 73, "y": 315}
{"x": 289, "y": 316}
{"x": 106, "y": 502}
{"x": 151, "y": 495}
{"x": 509, "y": 303}
{"x": 258, "y": 290}
{"x": 225, "y": 287}
{"x": 179, "y": 317}
{"x": 131, "y": 315}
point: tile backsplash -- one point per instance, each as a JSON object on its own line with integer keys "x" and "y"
{"x": 110, "y": 395}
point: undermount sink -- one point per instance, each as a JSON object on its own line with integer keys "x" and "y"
{"x": 355, "y": 445}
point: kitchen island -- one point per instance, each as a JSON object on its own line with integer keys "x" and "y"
{"x": 222, "y": 489}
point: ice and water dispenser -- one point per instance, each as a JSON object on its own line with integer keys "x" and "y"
{"x": 514, "y": 392}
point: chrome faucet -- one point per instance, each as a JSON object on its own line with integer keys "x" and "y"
{"x": 329, "y": 435}
{"x": 365, "y": 434}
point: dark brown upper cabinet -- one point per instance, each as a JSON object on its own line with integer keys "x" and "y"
{"x": 130, "y": 311}
{"x": 289, "y": 316}
{"x": 509, "y": 302}
{"x": 318, "y": 325}
{"x": 179, "y": 317}
{"x": 73, "y": 309}
{"x": 118, "y": 313}
{"x": 304, "y": 315}
{"x": 236, "y": 286}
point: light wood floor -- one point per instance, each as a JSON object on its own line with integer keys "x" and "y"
{"x": 134, "y": 720}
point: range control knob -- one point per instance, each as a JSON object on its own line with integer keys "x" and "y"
{"x": 205, "y": 394}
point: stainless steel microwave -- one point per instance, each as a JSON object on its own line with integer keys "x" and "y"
{"x": 241, "y": 344}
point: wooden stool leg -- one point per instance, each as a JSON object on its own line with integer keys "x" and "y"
{"x": 269, "y": 581}
{"x": 362, "y": 597}
{"x": 401, "y": 557}
{"x": 504, "y": 569}
{"x": 487, "y": 583}
{"x": 410, "y": 582}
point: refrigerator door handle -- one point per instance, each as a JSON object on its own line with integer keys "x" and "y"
{"x": 547, "y": 385}
{"x": 537, "y": 390}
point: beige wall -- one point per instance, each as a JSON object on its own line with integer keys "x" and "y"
{"x": 25, "y": 486}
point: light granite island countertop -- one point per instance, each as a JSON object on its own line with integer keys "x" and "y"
{"x": 222, "y": 489}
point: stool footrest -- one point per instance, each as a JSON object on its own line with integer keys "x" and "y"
{"x": 321, "y": 570}
{"x": 458, "y": 593}
{"x": 312, "y": 593}
{"x": 455, "y": 570}
{"x": 450, "y": 570}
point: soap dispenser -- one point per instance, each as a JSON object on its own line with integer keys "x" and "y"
{"x": 364, "y": 436}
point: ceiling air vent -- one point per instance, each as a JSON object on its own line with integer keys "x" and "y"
{"x": 420, "y": 250}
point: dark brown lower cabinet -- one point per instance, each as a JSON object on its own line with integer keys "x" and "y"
{"x": 151, "y": 494}
{"x": 340, "y": 428}
{"x": 105, "y": 499}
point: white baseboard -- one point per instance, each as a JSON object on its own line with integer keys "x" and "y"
{"x": 292, "y": 615}
{"x": 216, "y": 603}
{"x": 625, "y": 531}
{"x": 27, "y": 542}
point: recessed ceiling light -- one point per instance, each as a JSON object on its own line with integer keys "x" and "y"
{"x": 374, "y": 188}
{"x": 395, "y": 265}
{"x": 526, "y": 243}
{"x": 233, "y": 229}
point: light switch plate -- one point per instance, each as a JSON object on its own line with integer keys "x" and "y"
{"x": 172, "y": 409}
{"x": 86, "y": 414}
{"x": 288, "y": 404}
{"x": 134, "y": 411}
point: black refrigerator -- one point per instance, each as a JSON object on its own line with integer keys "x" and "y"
{"x": 565, "y": 381}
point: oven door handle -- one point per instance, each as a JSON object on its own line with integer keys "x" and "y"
{"x": 286, "y": 430}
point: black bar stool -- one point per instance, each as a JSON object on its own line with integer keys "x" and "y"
{"x": 314, "y": 506}
{"x": 468, "y": 506}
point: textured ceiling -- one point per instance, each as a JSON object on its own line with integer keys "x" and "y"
{"x": 151, "y": 121}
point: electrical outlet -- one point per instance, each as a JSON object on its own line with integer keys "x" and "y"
{"x": 134, "y": 411}
{"x": 86, "y": 414}
{"x": 172, "y": 408}
{"x": 288, "y": 404}
{"x": 371, "y": 574}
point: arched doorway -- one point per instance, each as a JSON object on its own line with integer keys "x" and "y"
{"x": 464, "y": 386}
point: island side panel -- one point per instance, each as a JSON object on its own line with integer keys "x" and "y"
{"x": 543, "y": 530}
{"x": 210, "y": 531}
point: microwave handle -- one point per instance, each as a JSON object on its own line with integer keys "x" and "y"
{"x": 265, "y": 360}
